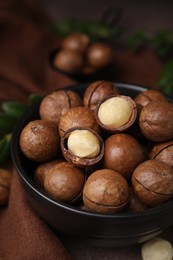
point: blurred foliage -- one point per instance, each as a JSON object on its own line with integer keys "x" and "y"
{"x": 165, "y": 81}
{"x": 162, "y": 43}
{"x": 94, "y": 29}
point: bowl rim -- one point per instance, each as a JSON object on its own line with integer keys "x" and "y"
{"x": 74, "y": 209}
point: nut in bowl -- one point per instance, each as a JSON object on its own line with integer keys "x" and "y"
{"x": 103, "y": 206}
{"x": 81, "y": 58}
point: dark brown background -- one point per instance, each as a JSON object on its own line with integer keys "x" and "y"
{"x": 152, "y": 15}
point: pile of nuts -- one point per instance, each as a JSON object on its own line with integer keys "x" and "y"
{"x": 78, "y": 55}
{"x": 103, "y": 152}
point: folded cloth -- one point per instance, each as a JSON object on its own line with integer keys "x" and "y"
{"x": 25, "y": 45}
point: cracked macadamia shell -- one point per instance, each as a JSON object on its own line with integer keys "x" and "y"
{"x": 97, "y": 91}
{"x": 105, "y": 191}
{"x": 163, "y": 152}
{"x": 78, "y": 117}
{"x": 123, "y": 153}
{"x": 152, "y": 182}
{"x": 116, "y": 113}
{"x": 156, "y": 121}
{"x": 40, "y": 141}
{"x": 64, "y": 182}
{"x": 148, "y": 96}
{"x": 57, "y": 103}
{"x": 82, "y": 146}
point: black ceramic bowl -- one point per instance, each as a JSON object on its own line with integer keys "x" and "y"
{"x": 116, "y": 230}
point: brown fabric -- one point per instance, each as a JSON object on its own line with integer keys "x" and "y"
{"x": 25, "y": 45}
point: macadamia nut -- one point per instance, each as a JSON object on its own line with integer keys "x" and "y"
{"x": 84, "y": 144}
{"x": 157, "y": 248}
{"x": 115, "y": 112}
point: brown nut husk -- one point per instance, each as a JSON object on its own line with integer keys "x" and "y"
{"x": 163, "y": 152}
{"x": 156, "y": 121}
{"x": 76, "y": 41}
{"x": 135, "y": 204}
{"x": 57, "y": 103}
{"x": 116, "y": 113}
{"x": 5, "y": 183}
{"x": 99, "y": 55}
{"x": 152, "y": 182}
{"x": 40, "y": 141}
{"x": 78, "y": 117}
{"x": 86, "y": 148}
{"x": 65, "y": 182}
{"x": 97, "y": 91}
{"x": 42, "y": 170}
{"x": 148, "y": 96}
{"x": 105, "y": 191}
{"x": 68, "y": 61}
{"x": 123, "y": 153}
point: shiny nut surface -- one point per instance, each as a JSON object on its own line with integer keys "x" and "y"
{"x": 78, "y": 117}
{"x": 123, "y": 153}
{"x": 96, "y": 91}
{"x": 163, "y": 152}
{"x": 57, "y": 103}
{"x": 64, "y": 182}
{"x": 152, "y": 181}
{"x": 156, "y": 121}
{"x": 148, "y": 96}
{"x": 39, "y": 140}
{"x": 105, "y": 191}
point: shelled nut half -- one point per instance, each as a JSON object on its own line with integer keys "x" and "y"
{"x": 82, "y": 146}
{"x": 116, "y": 113}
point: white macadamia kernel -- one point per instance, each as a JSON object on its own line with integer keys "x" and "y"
{"x": 84, "y": 144}
{"x": 157, "y": 249}
{"x": 115, "y": 112}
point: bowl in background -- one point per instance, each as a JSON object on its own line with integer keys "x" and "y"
{"x": 110, "y": 230}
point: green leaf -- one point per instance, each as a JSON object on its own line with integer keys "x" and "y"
{"x": 14, "y": 108}
{"x": 162, "y": 42}
{"x": 7, "y": 122}
{"x": 34, "y": 98}
{"x": 64, "y": 27}
{"x": 5, "y": 149}
{"x": 94, "y": 29}
{"x": 165, "y": 81}
{"x": 138, "y": 39}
